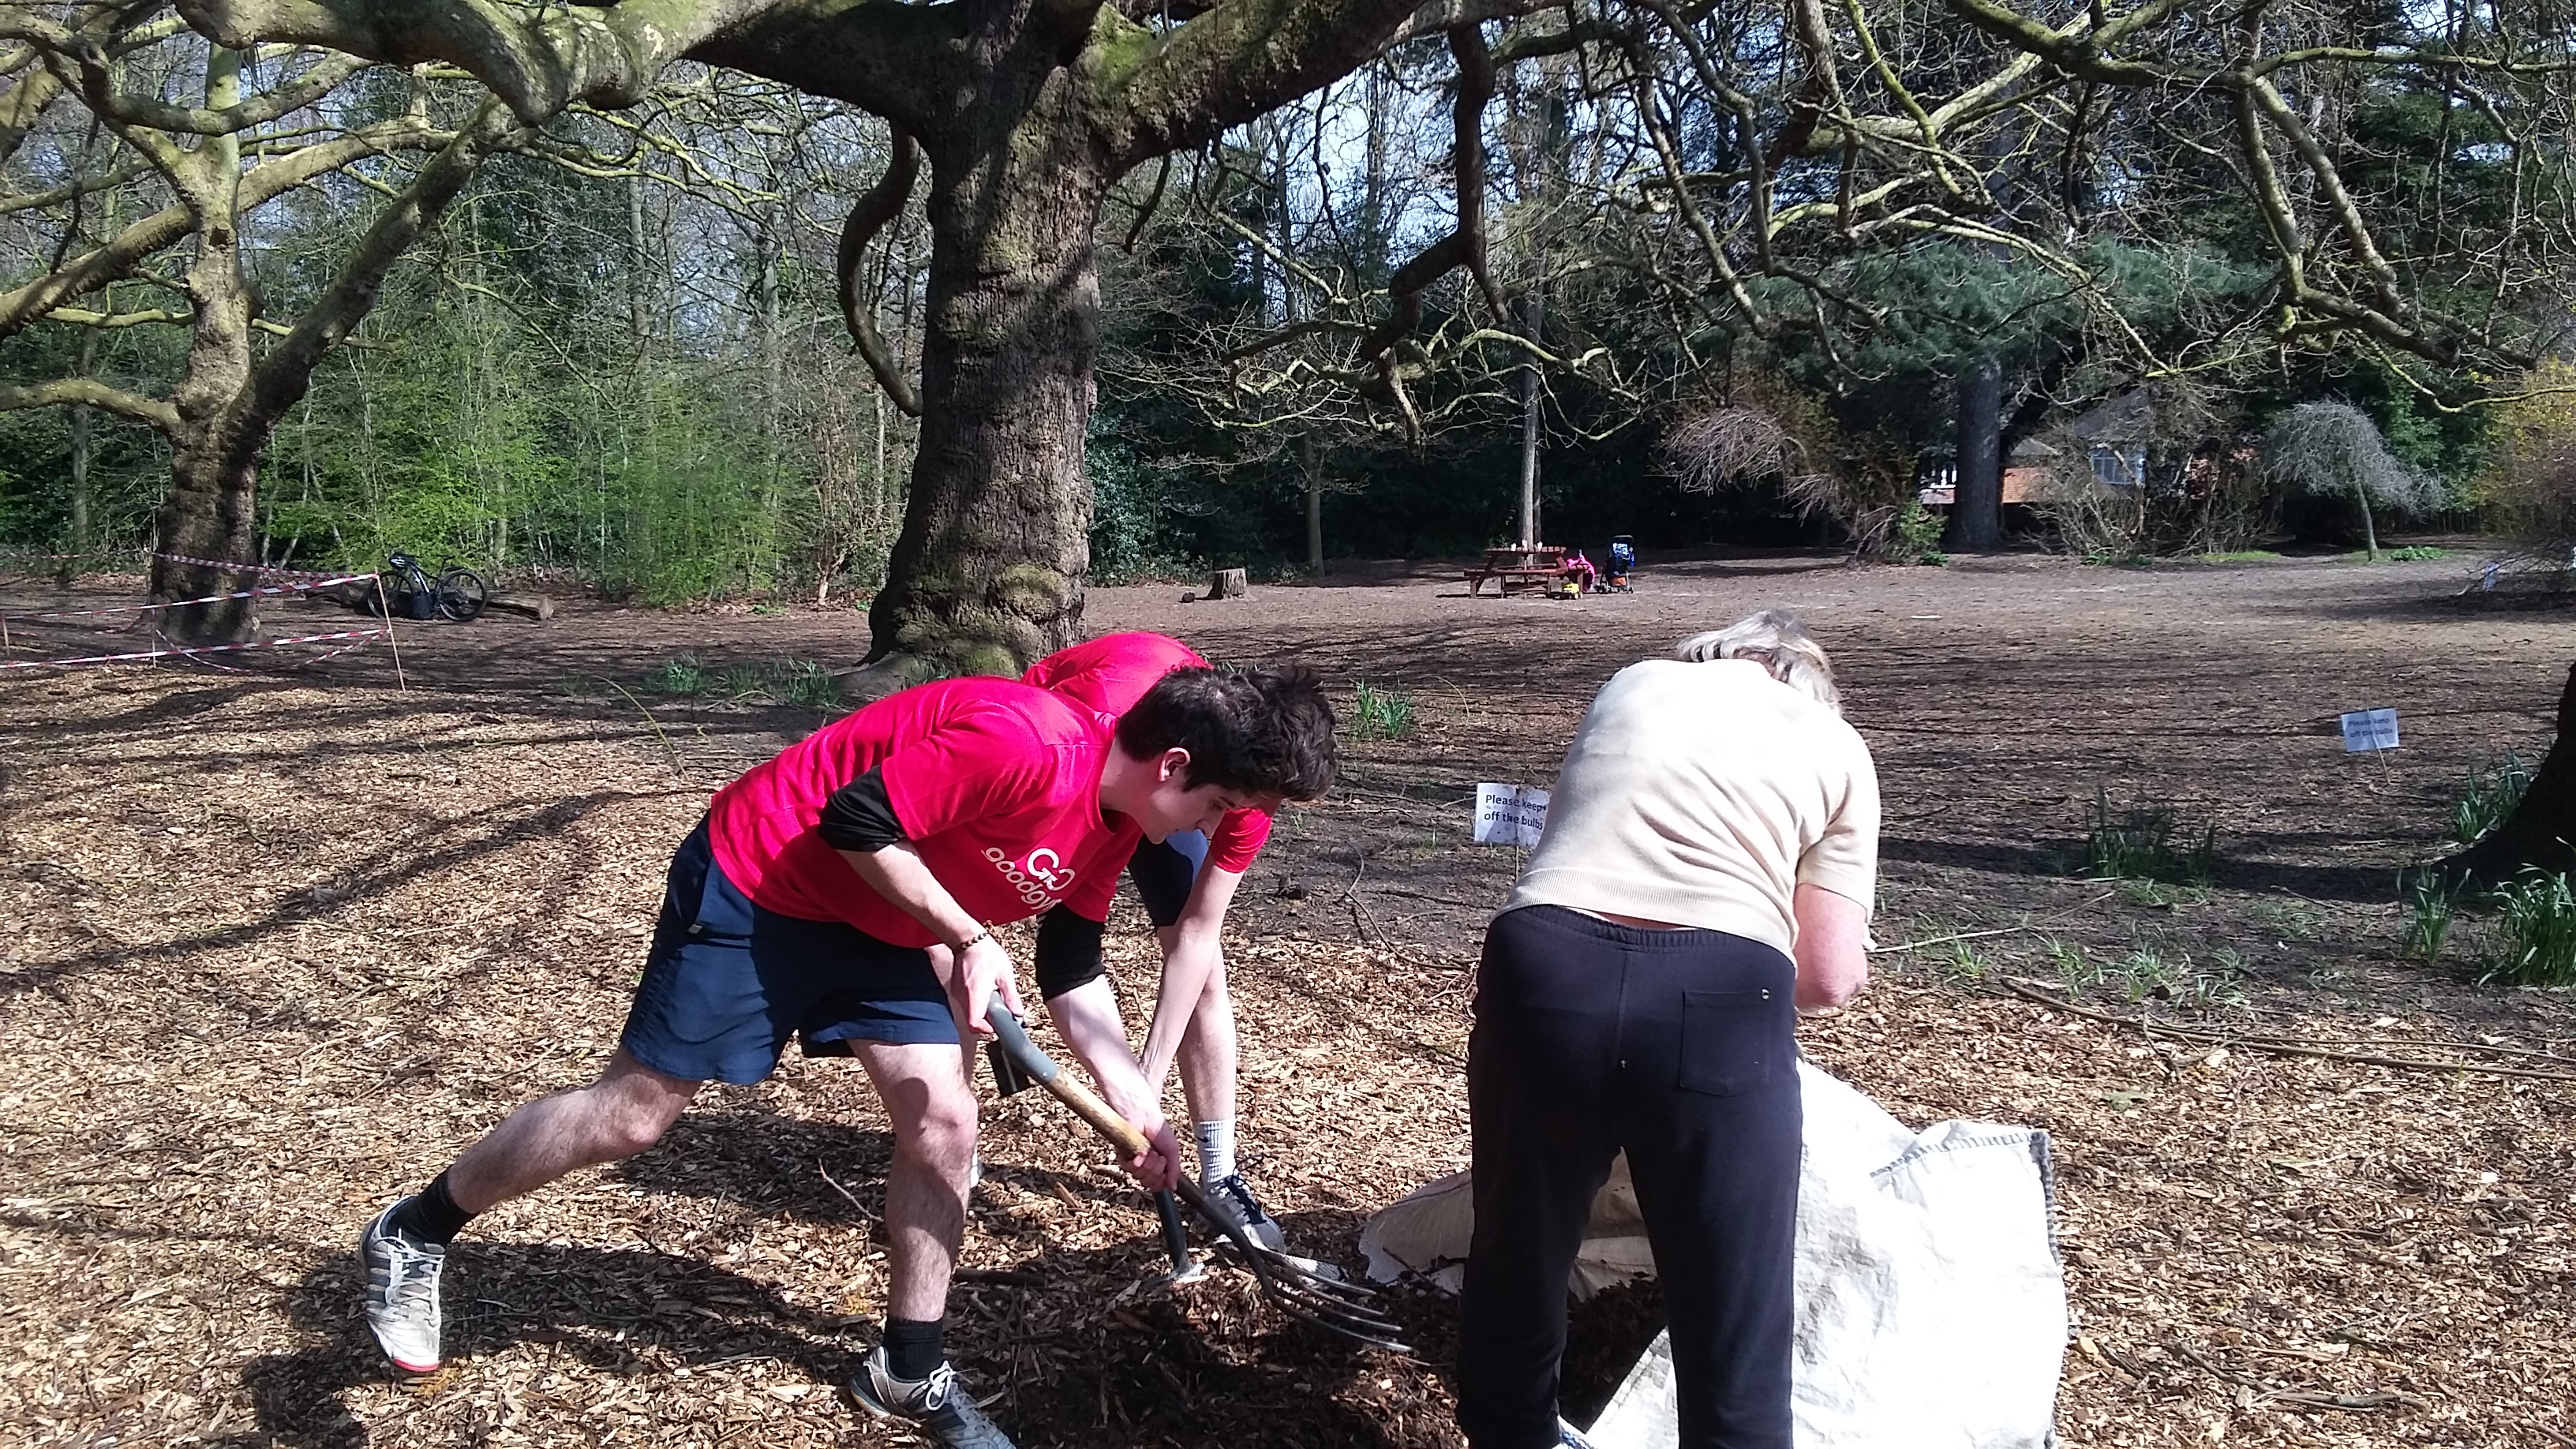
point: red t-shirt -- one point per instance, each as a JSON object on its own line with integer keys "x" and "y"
{"x": 1108, "y": 675}
{"x": 995, "y": 783}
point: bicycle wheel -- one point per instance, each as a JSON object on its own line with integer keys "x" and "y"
{"x": 462, "y": 595}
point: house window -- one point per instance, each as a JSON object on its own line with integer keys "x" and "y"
{"x": 2119, "y": 467}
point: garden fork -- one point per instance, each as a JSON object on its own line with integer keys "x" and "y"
{"x": 1348, "y": 1309}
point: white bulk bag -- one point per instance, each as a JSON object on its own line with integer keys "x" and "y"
{"x": 1931, "y": 1305}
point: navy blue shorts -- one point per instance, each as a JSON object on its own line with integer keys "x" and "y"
{"x": 728, "y": 983}
{"x": 1164, "y": 874}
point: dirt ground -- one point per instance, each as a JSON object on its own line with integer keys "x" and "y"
{"x": 275, "y": 944}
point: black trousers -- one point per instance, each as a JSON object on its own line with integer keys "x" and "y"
{"x": 1680, "y": 1047}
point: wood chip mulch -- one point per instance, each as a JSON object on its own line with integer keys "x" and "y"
{"x": 272, "y": 950}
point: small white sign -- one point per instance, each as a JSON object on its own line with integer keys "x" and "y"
{"x": 2366, "y": 730}
{"x": 1510, "y": 814}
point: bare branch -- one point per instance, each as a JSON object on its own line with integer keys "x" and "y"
{"x": 881, "y": 204}
{"x": 90, "y": 392}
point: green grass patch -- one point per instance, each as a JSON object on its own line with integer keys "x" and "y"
{"x": 2431, "y": 905}
{"x": 801, "y": 682}
{"x": 2075, "y": 967}
{"x": 1381, "y": 712}
{"x": 2147, "y": 840}
{"x": 805, "y": 682}
{"x": 2536, "y": 931}
{"x": 685, "y": 676}
{"x": 2494, "y": 790}
{"x": 2287, "y": 921}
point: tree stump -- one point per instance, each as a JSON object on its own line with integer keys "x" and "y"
{"x": 1226, "y": 584}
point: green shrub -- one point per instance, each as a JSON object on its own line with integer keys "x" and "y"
{"x": 2493, "y": 792}
{"x": 1381, "y": 712}
{"x": 2137, "y": 843}
{"x": 2536, "y": 918}
{"x": 1917, "y": 534}
{"x": 2417, "y": 553}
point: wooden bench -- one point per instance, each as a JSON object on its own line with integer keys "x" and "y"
{"x": 1541, "y": 568}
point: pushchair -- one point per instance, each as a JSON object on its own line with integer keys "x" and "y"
{"x": 1618, "y": 577}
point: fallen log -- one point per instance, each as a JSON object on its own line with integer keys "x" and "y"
{"x": 533, "y": 606}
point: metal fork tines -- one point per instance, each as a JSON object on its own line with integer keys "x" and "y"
{"x": 1348, "y": 1309}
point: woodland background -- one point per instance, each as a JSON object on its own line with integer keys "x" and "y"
{"x": 624, "y": 355}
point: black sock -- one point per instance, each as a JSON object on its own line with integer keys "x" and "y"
{"x": 912, "y": 1348}
{"x": 432, "y": 1217}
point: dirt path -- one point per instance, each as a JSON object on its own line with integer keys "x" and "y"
{"x": 273, "y": 946}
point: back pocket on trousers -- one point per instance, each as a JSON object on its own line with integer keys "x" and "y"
{"x": 1734, "y": 1041}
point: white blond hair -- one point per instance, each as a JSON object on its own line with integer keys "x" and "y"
{"x": 1775, "y": 640}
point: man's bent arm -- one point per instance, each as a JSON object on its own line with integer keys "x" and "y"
{"x": 1187, "y": 968}
{"x": 898, "y": 873}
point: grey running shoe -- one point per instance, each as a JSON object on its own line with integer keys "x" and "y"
{"x": 1231, "y": 1192}
{"x": 937, "y": 1407}
{"x": 402, "y": 1293}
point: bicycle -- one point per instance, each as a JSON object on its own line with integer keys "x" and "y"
{"x": 455, "y": 593}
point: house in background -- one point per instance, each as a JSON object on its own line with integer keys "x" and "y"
{"x": 2025, "y": 475}
{"x": 2115, "y": 433}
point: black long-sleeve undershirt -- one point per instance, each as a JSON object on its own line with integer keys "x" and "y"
{"x": 860, "y": 817}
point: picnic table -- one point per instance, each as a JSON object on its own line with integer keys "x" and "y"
{"x": 1510, "y": 568}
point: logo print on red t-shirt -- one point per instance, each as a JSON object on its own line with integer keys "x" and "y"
{"x": 1039, "y": 879}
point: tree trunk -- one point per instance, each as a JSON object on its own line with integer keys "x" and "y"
{"x": 80, "y": 462}
{"x": 209, "y": 513}
{"x": 987, "y": 574}
{"x": 1977, "y": 502}
{"x": 1314, "y": 466}
{"x": 1533, "y": 314}
{"x": 2541, "y": 832}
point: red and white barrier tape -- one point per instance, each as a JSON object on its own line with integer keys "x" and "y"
{"x": 240, "y": 568}
{"x": 19, "y": 558}
{"x": 183, "y": 603}
{"x": 179, "y": 651}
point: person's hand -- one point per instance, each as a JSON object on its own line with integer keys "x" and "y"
{"x": 1123, "y": 1088}
{"x": 973, "y": 978}
{"x": 1159, "y": 1166}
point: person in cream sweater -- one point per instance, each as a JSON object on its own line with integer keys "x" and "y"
{"x": 1706, "y": 875}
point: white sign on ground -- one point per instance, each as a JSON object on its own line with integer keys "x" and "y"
{"x": 1510, "y": 814}
{"x": 2366, "y": 730}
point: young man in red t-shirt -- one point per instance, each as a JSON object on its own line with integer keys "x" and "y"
{"x": 1186, "y": 881}
{"x": 843, "y": 893}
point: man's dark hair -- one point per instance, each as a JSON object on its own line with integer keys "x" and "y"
{"x": 1259, "y": 731}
